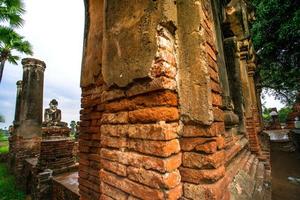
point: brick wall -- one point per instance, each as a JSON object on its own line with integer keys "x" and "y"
{"x": 144, "y": 141}
{"x": 202, "y": 145}
{"x": 23, "y": 149}
{"x": 129, "y": 136}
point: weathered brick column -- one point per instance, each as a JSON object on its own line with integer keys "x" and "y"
{"x": 18, "y": 104}
{"x": 32, "y": 95}
{"x": 233, "y": 67}
{"x": 128, "y": 143}
{"x": 255, "y": 110}
{"x": 200, "y": 98}
{"x": 11, "y": 161}
{"x": 28, "y": 134}
{"x": 152, "y": 119}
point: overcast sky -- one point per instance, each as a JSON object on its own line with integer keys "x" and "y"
{"x": 55, "y": 29}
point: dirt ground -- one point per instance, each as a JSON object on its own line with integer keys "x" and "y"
{"x": 284, "y": 165}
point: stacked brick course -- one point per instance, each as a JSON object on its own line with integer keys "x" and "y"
{"x": 129, "y": 136}
{"x": 22, "y": 149}
{"x": 56, "y": 154}
{"x": 203, "y": 145}
{"x": 56, "y": 151}
{"x": 146, "y": 140}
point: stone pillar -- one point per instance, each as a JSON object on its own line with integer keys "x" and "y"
{"x": 18, "y": 104}
{"x": 32, "y": 97}
{"x": 16, "y": 123}
{"x": 200, "y": 95}
{"x": 255, "y": 103}
{"x": 258, "y": 96}
{"x": 234, "y": 74}
{"x": 242, "y": 46}
{"x": 28, "y": 134}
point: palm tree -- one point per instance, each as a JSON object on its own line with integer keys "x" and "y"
{"x": 10, "y": 41}
{"x": 11, "y": 11}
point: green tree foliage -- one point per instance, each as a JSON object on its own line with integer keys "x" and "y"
{"x": 11, "y": 12}
{"x": 276, "y": 37}
{"x": 11, "y": 41}
{"x": 73, "y": 127}
{"x": 283, "y": 113}
{"x": 266, "y": 114}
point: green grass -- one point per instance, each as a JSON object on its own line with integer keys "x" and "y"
{"x": 3, "y": 137}
{"x": 8, "y": 189}
{"x": 3, "y": 146}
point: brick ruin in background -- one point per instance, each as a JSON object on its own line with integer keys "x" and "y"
{"x": 170, "y": 107}
{"x": 26, "y": 137}
{"x": 295, "y": 113}
{"x": 39, "y": 152}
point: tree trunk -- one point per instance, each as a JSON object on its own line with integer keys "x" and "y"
{"x": 1, "y": 69}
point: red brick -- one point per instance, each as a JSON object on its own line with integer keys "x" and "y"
{"x": 161, "y": 131}
{"x": 216, "y": 99}
{"x": 154, "y": 179}
{"x": 204, "y": 191}
{"x": 114, "y": 167}
{"x": 215, "y": 87}
{"x": 112, "y": 95}
{"x": 198, "y": 176}
{"x": 217, "y": 128}
{"x": 131, "y": 187}
{"x": 89, "y": 185}
{"x": 164, "y": 98}
{"x": 213, "y": 75}
{"x": 157, "y": 114}
{"x": 174, "y": 193}
{"x": 115, "y": 142}
{"x": 210, "y": 147}
{"x": 161, "y": 83}
{"x": 138, "y": 160}
{"x": 210, "y": 51}
{"x": 189, "y": 144}
{"x": 105, "y": 197}
{"x": 198, "y": 160}
{"x": 218, "y": 114}
{"x": 113, "y": 192}
{"x": 220, "y": 142}
{"x": 157, "y": 148}
{"x": 115, "y": 118}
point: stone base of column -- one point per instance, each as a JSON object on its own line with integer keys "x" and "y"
{"x": 22, "y": 149}
{"x": 56, "y": 151}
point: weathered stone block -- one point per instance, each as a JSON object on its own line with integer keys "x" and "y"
{"x": 154, "y": 179}
{"x": 148, "y": 115}
{"x": 113, "y": 192}
{"x": 138, "y": 160}
{"x": 161, "y": 131}
{"x": 215, "y": 129}
{"x": 197, "y": 176}
{"x": 197, "y": 160}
